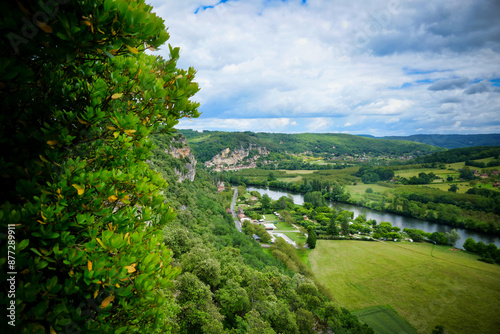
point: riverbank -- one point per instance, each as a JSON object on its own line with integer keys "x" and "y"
{"x": 427, "y": 285}
{"x": 413, "y": 202}
{"x": 395, "y": 219}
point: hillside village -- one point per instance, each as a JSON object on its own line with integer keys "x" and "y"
{"x": 239, "y": 159}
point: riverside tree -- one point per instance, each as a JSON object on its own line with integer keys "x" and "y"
{"x": 79, "y": 100}
{"x": 452, "y": 237}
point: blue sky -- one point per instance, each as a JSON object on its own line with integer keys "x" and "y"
{"x": 361, "y": 67}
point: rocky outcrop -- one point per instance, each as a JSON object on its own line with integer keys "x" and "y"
{"x": 179, "y": 149}
{"x": 236, "y": 159}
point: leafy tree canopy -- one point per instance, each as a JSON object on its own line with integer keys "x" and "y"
{"x": 80, "y": 99}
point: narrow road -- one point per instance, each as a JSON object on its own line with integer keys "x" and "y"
{"x": 236, "y": 220}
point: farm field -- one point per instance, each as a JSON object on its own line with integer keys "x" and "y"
{"x": 384, "y": 320}
{"x": 297, "y": 171}
{"x": 414, "y": 172}
{"x": 462, "y": 186}
{"x": 427, "y": 285}
{"x": 360, "y": 188}
{"x": 290, "y": 179}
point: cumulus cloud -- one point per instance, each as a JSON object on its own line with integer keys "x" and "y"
{"x": 333, "y": 66}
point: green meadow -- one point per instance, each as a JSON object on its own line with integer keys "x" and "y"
{"x": 296, "y": 236}
{"x": 298, "y": 171}
{"x": 426, "y": 285}
{"x": 360, "y": 188}
{"x": 283, "y": 226}
{"x": 270, "y": 217}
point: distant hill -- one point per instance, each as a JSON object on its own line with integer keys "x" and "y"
{"x": 452, "y": 141}
{"x": 461, "y": 154}
{"x": 207, "y": 144}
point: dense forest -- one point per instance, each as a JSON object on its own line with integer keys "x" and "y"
{"x": 452, "y": 141}
{"x": 207, "y": 144}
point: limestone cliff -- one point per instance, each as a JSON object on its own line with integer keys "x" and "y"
{"x": 236, "y": 159}
{"x": 180, "y": 150}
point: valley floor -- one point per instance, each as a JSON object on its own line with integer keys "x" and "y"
{"x": 427, "y": 285}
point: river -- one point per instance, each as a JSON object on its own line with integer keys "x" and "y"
{"x": 394, "y": 219}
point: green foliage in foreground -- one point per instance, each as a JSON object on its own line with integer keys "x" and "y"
{"x": 79, "y": 100}
{"x": 427, "y": 285}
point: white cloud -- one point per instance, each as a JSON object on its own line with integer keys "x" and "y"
{"x": 239, "y": 124}
{"x": 319, "y": 124}
{"x": 277, "y": 60}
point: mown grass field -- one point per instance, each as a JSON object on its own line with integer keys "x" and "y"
{"x": 291, "y": 179}
{"x": 360, "y": 188}
{"x": 384, "y": 320}
{"x": 426, "y": 285}
{"x": 270, "y": 217}
{"x": 283, "y": 226}
{"x": 296, "y": 236}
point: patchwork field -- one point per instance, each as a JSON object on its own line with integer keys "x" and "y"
{"x": 426, "y": 285}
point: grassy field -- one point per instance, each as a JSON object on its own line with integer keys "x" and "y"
{"x": 456, "y": 165}
{"x": 414, "y": 172}
{"x": 426, "y": 285}
{"x": 283, "y": 226}
{"x": 360, "y": 188}
{"x": 384, "y": 320}
{"x": 462, "y": 186}
{"x": 290, "y": 179}
{"x": 295, "y": 236}
{"x": 300, "y": 171}
{"x": 270, "y": 217}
